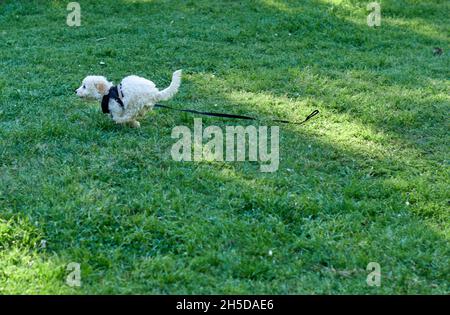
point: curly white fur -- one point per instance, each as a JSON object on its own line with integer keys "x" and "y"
{"x": 139, "y": 95}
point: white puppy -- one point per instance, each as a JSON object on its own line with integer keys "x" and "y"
{"x": 132, "y": 98}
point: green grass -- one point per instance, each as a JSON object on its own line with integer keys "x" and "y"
{"x": 366, "y": 180}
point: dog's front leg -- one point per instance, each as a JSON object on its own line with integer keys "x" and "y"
{"x": 127, "y": 119}
{"x": 118, "y": 118}
{"x": 135, "y": 124}
{"x": 121, "y": 120}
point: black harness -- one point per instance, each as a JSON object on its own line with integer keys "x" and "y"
{"x": 112, "y": 94}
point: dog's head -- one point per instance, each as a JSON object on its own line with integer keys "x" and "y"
{"x": 93, "y": 87}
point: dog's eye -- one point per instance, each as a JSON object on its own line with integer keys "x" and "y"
{"x": 84, "y": 86}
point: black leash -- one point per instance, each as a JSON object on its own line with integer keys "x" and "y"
{"x": 314, "y": 113}
{"x": 114, "y": 94}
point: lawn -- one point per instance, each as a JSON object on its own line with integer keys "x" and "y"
{"x": 365, "y": 181}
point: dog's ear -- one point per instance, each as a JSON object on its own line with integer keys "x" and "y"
{"x": 101, "y": 87}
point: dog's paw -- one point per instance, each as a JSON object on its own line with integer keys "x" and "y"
{"x": 135, "y": 124}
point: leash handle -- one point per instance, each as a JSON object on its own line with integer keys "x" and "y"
{"x": 314, "y": 113}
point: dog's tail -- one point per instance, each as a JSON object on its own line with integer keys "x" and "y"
{"x": 169, "y": 92}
